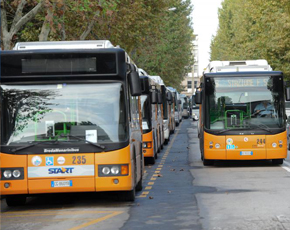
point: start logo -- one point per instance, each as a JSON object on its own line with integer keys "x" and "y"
{"x": 60, "y": 170}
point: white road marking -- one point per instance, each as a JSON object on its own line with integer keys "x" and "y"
{"x": 285, "y": 167}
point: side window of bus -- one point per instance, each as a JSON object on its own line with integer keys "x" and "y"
{"x": 134, "y": 110}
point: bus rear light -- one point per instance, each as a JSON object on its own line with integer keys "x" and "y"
{"x": 113, "y": 170}
{"x": 12, "y": 173}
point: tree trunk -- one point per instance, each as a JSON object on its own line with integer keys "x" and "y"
{"x": 89, "y": 27}
{"x": 45, "y": 30}
{"x": 17, "y": 23}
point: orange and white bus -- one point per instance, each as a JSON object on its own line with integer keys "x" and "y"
{"x": 242, "y": 109}
{"x": 70, "y": 120}
{"x": 166, "y": 98}
{"x": 149, "y": 99}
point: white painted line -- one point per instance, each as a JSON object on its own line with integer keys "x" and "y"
{"x": 285, "y": 167}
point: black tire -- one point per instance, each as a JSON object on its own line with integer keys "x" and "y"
{"x": 289, "y": 146}
{"x": 277, "y": 161}
{"x": 166, "y": 141}
{"x": 139, "y": 185}
{"x": 208, "y": 162}
{"x": 151, "y": 160}
{"x": 127, "y": 195}
{"x": 15, "y": 200}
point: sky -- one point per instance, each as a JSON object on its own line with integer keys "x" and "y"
{"x": 205, "y": 24}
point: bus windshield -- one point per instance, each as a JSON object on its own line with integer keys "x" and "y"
{"x": 92, "y": 112}
{"x": 244, "y": 103}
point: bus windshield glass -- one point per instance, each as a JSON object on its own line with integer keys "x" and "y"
{"x": 244, "y": 103}
{"x": 91, "y": 112}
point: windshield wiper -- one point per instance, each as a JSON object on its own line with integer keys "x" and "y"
{"x": 33, "y": 144}
{"x": 82, "y": 139}
{"x": 224, "y": 130}
{"x": 263, "y": 127}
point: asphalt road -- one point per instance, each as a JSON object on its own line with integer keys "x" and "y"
{"x": 179, "y": 193}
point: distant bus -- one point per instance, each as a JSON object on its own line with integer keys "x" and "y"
{"x": 70, "y": 120}
{"x": 185, "y": 105}
{"x": 168, "y": 119}
{"x": 152, "y": 132}
{"x": 177, "y": 106}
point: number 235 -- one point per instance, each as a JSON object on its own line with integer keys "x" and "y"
{"x": 79, "y": 160}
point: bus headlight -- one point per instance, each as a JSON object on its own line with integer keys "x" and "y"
{"x": 12, "y": 173}
{"x": 7, "y": 174}
{"x": 147, "y": 145}
{"x": 16, "y": 173}
{"x": 113, "y": 170}
{"x": 106, "y": 170}
{"x": 217, "y": 146}
{"x": 274, "y": 145}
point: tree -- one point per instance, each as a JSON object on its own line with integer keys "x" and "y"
{"x": 254, "y": 29}
{"x": 10, "y": 28}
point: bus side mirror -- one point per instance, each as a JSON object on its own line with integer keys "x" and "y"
{"x": 198, "y": 97}
{"x": 159, "y": 98}
{"x": 154, "y": 97}
{"x": 287, "y": 94}
{"x": 169, "y": 97}
{"x": 135, "y": 83}
{"x": 145, "y": 85}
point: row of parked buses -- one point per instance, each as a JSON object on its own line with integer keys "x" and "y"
{"x": 79, "y": 116}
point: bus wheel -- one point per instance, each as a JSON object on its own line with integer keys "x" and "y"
{"x": 151, "y": 160}
{"x": 277, "y": 161}
{"x": 15, "y": 200}
{"x": 166, "y": 141}
{"x": 208, "y": 162}
{"x": 139, "y": 185}
{"x": 127, "y": 195}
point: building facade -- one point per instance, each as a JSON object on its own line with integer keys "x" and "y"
{"x": 191, "y": 81}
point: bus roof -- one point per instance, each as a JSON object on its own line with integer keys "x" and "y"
{"x": 238, "y": 66}
{"x": 88, "y": 44}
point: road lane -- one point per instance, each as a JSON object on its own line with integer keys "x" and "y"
{"x": 170, "y": 203}
{"x": 240, "y": 194}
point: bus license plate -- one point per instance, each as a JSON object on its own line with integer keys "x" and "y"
{"x": 61, "y": 183}
{"x": 246, "y": 153}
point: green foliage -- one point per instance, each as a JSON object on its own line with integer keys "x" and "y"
{"x": 254, "y": 29}
{"x": 159, "y": 40}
